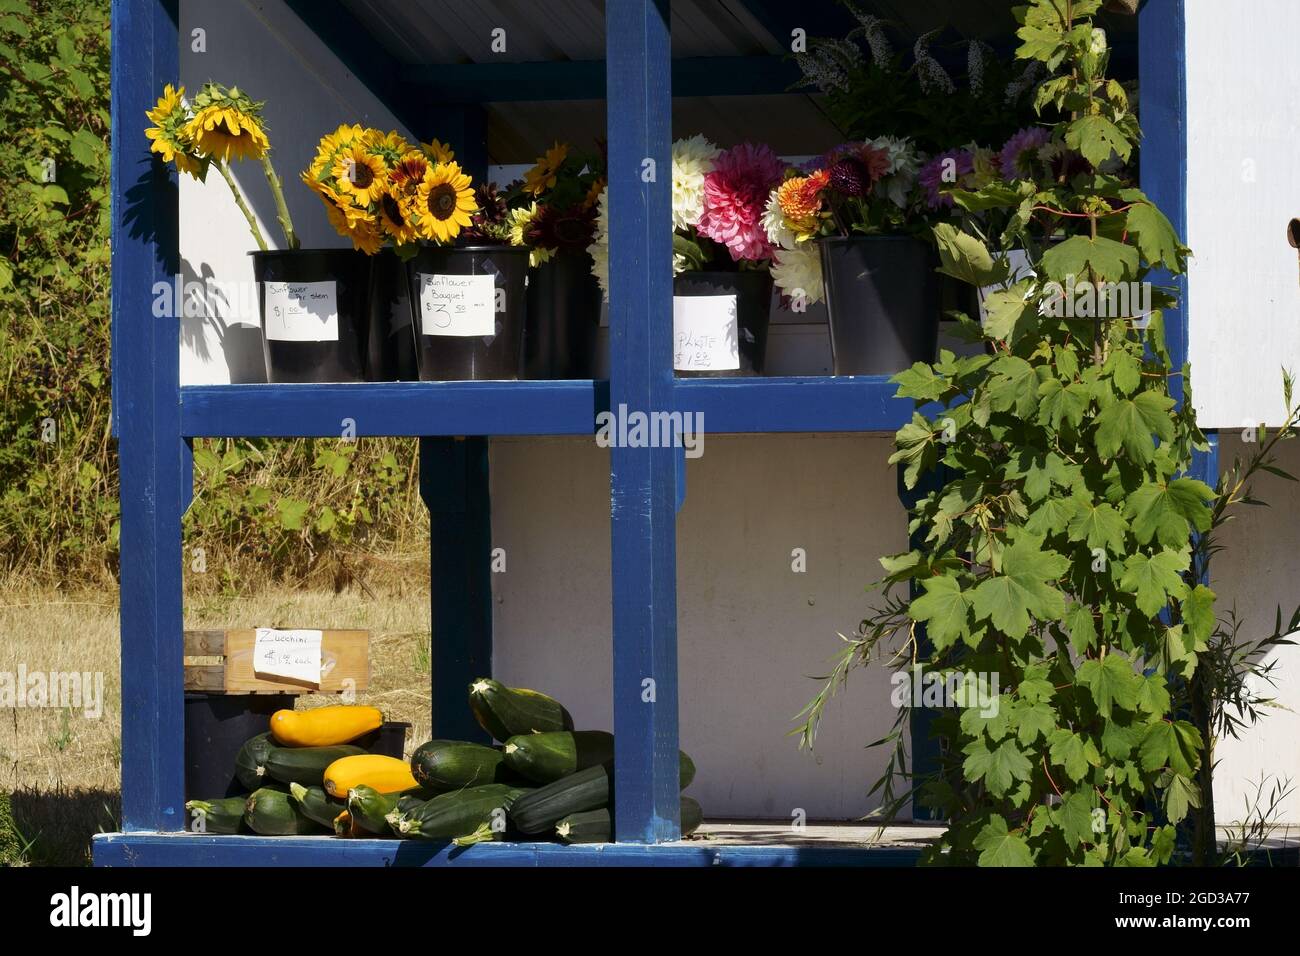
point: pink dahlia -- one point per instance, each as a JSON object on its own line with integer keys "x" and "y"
{"x": 946, "y": 169}
{"x": 735, "y": 196}
{"x": 1012, "y": 159}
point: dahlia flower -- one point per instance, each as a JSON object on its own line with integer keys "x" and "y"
{"x": 692, "y": 160}
{"x": 735, "y": 197}
{"x": 797, "y": 272}
{"x": 1013, "y": 158}
{"x": 946, "y": 169}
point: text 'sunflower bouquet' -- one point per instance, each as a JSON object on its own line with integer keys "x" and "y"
{"x": 378, "y": 188}
{"x": 220, "y": 126}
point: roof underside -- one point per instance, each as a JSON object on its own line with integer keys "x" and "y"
{"x": 425, "y": 33}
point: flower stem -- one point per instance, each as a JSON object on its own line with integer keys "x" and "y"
{"x": 239, "y": 201}
{"x": 281, "y": 209}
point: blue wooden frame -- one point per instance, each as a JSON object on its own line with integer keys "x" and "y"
{"x": 157, "y": 419}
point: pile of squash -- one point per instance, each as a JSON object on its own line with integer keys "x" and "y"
{"x": 543, "y": 781}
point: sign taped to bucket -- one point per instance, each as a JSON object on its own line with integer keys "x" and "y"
{"x": 704, "y": 333}
{"x": 301, "y": 311}
{"x": 457, "y": 304}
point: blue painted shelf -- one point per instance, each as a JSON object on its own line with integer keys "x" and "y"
{"x": 152, "y": 849}
{"x": 393, "y": 408}
{"x": 863, "y": 403}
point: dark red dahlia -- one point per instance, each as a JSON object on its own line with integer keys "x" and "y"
{"x": 571, "y": 228}
{"x": 850, "y": 178}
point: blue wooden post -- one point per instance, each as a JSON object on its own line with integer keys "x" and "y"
{"x": 454, "y": 485}
{"x": 155, "y": 460}
{"x": 643, "y": 480}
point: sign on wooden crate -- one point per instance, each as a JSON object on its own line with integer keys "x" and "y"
{"x": 277, "y": 661}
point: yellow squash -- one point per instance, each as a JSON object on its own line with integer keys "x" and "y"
{"x": 385, "y": 774}
{"x": 324, "y": 726}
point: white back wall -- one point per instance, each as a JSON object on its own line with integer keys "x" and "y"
{"x": 263, "y": 48}
{"x": 750, "y": 631}
{"x": 1242, "y": 189}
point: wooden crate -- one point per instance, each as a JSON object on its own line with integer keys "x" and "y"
{"x": 345, "y": 664}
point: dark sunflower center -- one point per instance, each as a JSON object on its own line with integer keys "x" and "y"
{"x": 442, "y": 201}
{"x": 391, "y": 209}
{"x": 362, "y": 175}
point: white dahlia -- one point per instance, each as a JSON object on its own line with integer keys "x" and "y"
{"x": 797, "y": 272}
{"x": 778, "y": 233}
{"x": 692, "y": 161}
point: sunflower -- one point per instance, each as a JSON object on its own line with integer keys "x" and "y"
{"x": 394, "y": 219}
{"x": 170, "y": 117}
{"x": 543, "y": 176}
{"x": 445, "y": 203}
{"x": 519, "y": 224}
{"x": 226, "y": 125}
{"x": 360, "y": 174}
{"x": 438, "y": 152}
{"x": 593, "y": 194}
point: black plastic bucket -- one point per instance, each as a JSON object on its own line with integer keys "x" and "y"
{"x": 324, "y": 353}
{"x": 563, "y": 318}
{"x": 389, "y": 740}
{"x": 445, "y": 307}
{"x": 882, "y": 299}
{"x": 753, "y": 293}
{"x": 216, "y": 726}
{"x": 390, "y": 349}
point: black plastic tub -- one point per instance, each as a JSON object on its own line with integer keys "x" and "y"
{"x": 389, "y": 740}
{"x": 882, "y": 300}
{"x": 753, "y": 294}
{"x": 563, "y": 318}
{"x": 390, "y": 349}
{"x": 313, "y": 305}
{"x": 464, "y": 329}
{"x": 216, "y": 726}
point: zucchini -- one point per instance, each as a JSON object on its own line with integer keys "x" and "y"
{"x": 273, "y": 813}
{"x": 538, "y": 811}
{"x": 451, "y": 815}
{"x": 369, "y": 809}
{"x": 222, "y": 815}
{"x": 544, "y": 758}
{"x": 505, "y": 711}
{"x": 250, "y": 762}
{"x": 316, "y": 804}
{"x": 454, "y": 764}
{"x": 597, "y": 826}
{"x": 305, "y": 765}
{"x": 385, "y": 774}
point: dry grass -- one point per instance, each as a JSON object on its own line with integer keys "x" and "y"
{"x": 62, "y": 766}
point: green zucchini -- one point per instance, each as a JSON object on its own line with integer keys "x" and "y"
{"x": 305, "y": 765}
{"x": 458, "y": 814}
{"x": 316, "y": 804}
{"x": 273, "y": 813}
{"x": 538, "y": 811}
{"x": 597, "y": 826}
{"x": 544, "y": 758}
{"x": 221, "y": 815}
{"x": 506, "y": 711}
{"x": 370, "y": 808}
{"x": 250, "y": 762}
{"x": 455, "y": 764}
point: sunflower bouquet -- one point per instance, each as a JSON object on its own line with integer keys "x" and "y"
{"x": 219, "y": 126}
{"x": 378, "y": 188}
{"x": 553, "y": 209}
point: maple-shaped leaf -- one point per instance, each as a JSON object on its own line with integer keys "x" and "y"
{"x": 1118, "y": 740}
{"x": 1097, "y": 137}
{"x": 1154, "y": 579}
{"x": 1059, "y": 403}
{"x": 944, "y": 609}
{"x": 999, "y": 768}
{"x": 1021, "y": 592}
{"x": 1155, "y": 235}
{"x": 1198, "y": 613}
{"x": 1038, "y": 720}
{"x": 1081, "y": 627}
{"x": 964, "y": 257}
{"x": 1097, "y": 525}
{"x": 1170, "y": 512}
{"x": 1074, "y": 753}
{"x": 1090, "y": 260}
{"x": 1010, "y": 313}
{"x": 1125, "y": 371}
{"x": 999, "y": 848}
{"x": 1129, "y": 423}
{"x": 919, "y": 382}
{"x": 1181, "y": 794}
{"x": 1049, "y": 516}
{"x": 1013, "y": 386}
{"x": 1153, "y": 696}
{"x": 1075, "y": 818}
{"x": 1111, "y": 681}
{"x": 1175, "y": 743}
